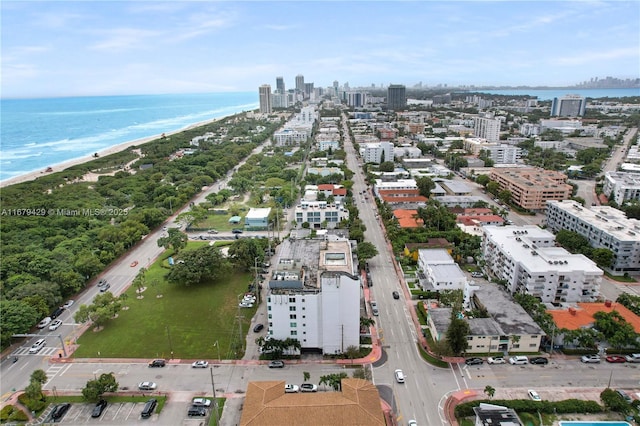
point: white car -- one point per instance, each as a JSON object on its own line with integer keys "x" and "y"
{"x": 495, "y": 360}
{"x": 200, "y": 364}
{"x": 201, "y": 402}
{"x": 68, "y": 304}
{"x": 291, "y": 388}
{"x": 45, "y": 322}
{"x": 55, "y": 324}
{"x": 39, "y": 344}
{"x": 147, "y": 386}
{"x": 534, "y": 395}
{"x": 590, "y": 359}
{"x": 245, "y": 305}
{"x": 308, "y": 387}
{"x": 399, "y": 376}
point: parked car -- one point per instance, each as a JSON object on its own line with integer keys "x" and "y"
{"x": 99, "y": 408}
{"x": 39, "y": 344}
{"x": 624, "y": 396}
{"x": 45, "y": 322}
{"x": 539, "y": 360}
{"x": 308, "y": 387}
{"x": 245, "y": 305}
{"x": 200, "y": 364}
{"x": 147, "y": 386}
{"x": 633, "y": 358}
{"x": 474, "y": 361}
{"x": 59, "y": 411}
{"x": 395, "y": 295}
{"x": 195, "y": 410}
{"x": 157, "y": 363}
{"x": 212, "y": 231}
{"x": 258, "y": 328}
{"x": 150, "y": 405}
{"x": 616, "y": 359}
{"x": 201, "y": 402}
{"x": 55, "y": 314}
{"x": 276, "y": 364}
{"x": 495, "y": 360}
{"x": 534, "y": 395}
{"x": 68, "y": 304}
{"x": 518, "y": 360}
{"x": 291, "y": 388}
{"x": 55, "y": 324}
{"x": 399, "y": 376}
{"x": 590, "y": 359}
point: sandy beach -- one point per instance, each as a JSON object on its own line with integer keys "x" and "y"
{"x": 111, "y": 150}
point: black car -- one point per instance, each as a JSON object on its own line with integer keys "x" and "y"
{"x": 258, "y": 328}
{"x": 99, "y": 408}
{"x": 473, "y": 361}
{"x": 396, "y": 295}
{"x": 57, "y": 312}
{"x": 538, "y": 360}
{"x": 147, "y": 411}
{"x": 157, "y": 363}
{"x": 59, "y": 411}
{"x": 236, "y": 231}
{"x": 197, "y": 410}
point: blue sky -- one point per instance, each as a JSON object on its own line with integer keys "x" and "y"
{"x": 69, "y": 48}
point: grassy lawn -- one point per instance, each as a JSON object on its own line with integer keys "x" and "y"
{"x": 621, "y": 278}
{"x": 185, "y": 320}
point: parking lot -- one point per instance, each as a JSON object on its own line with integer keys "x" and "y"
{"x": 128, "y": 413}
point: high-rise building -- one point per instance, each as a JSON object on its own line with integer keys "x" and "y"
{"x": 487, "y": 128}
{"x": 300, "y": 83}
{"x": 568, "y": 106}
{"x": 280, "y": 85}
{"x": 396, "y": 97}
{"x": 265, "y": 99}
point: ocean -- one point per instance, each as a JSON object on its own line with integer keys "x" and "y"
{"x": 38, "y": 133}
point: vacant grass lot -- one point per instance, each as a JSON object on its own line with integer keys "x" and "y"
{"x": 187, "y": 321}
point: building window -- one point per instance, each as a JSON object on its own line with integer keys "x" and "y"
{"x": 269, "y": 308}
{"x": 533, "y": 345}
{"x": 292, "y": 316}
{"x": 292, "y": 300}
{"x": 293, "y": 324}
{"x": 292, "y": 308}
{"x": 270, "y": 316}
{"x": 294, "y": 333}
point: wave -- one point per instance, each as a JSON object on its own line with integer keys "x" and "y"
{"x": 19, "y": 154}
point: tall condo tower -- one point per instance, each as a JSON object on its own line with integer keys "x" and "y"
{"x": 265, "y": 99}
{"x": 396, "y": 97}
{"x": 568, "y": 106}
{"x": 300, "y": 83}
{"x": 280, "y": 84}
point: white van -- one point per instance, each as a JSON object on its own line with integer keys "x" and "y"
{"x": 39, "y": 344}
{"x": 518, "y": 360}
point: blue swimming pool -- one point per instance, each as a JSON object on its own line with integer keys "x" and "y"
{"x": 572, "y": 423}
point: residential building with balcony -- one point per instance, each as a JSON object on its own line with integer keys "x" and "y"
{"x": 527, "y": 260}
{"x": 603, "y": 227}
{"x": 487, "y": 128}
{"x": 531, "y": 188}
{"x": 317, "y": 212}
{"x": 315, "y": 295}
{"x": 621, "y": 187}
{"x": 377, "y": 153}
{"x": 438, "y": 271}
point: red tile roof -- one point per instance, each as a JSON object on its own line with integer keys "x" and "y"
{"x": 340, "y": 191}
{"x": 581, "y": 317}
{"x": 407, "y": 219}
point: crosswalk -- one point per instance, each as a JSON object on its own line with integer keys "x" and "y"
{"x": 46, "y": 351}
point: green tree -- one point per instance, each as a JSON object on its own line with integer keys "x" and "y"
{"x": 175, "y": 239}
{"x": 205, "y": 264}
{"x": 483, "y": 180}
{"x": 17, "y": 318}
{"x": 457, "y": 335}
{"x": 613, "y": 401}
{"x": 489, "y": 391}
{"x": 425, "y": 185}
{"x": 94, "y": 389}
{"x": 603, "y": 257}
{"x": 365, "y": 251}
{"x": 387, "y": 166}
{"x": 306, "y": 376}
{"x": 39, "y": 376}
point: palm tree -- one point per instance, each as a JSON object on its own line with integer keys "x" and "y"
{"x": 490, "y": 391}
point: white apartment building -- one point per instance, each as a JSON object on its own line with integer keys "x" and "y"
{"x": 621, "y": 186}
{"x": 315, "y": 295}
{"x": 487, "y": 128}
{"x": 504, "y": 154}
{"x": 395, "y": 185}
{"x": 526, "y": 258}
{"x": 326, "y": 145}
{"x": 289, "y": 136}
{"x": 604, "y": 227}
{"x": 439, "y": 271}
{"x": 317, "y": 212}
{"x": 377, "y": 152}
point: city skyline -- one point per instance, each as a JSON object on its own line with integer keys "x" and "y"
{"x": 53, "y": 49}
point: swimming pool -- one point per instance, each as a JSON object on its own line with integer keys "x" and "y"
{"x": 577, "y": 423}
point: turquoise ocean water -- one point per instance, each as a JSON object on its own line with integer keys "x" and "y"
{"x": 38, "y": 133}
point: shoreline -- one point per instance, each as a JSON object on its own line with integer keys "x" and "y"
{"x": 30, "y": 176}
